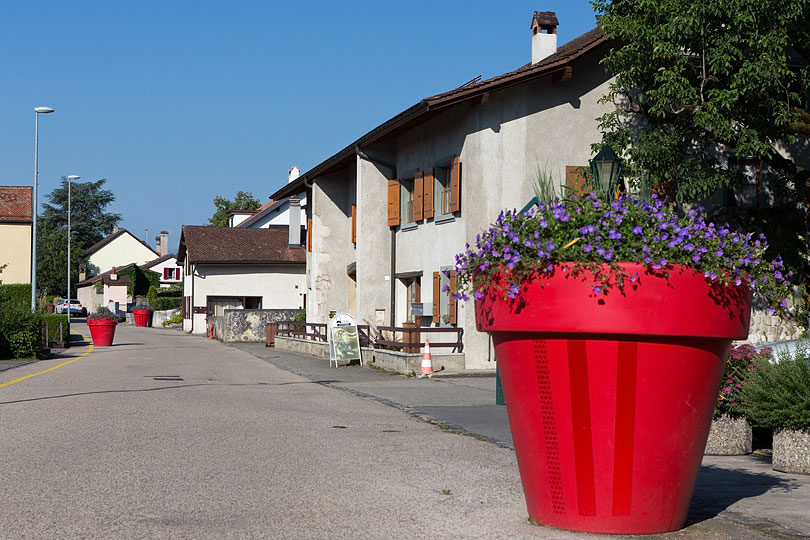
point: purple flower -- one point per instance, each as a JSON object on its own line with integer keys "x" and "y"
{"x": 587, "y": 248}
{"x": 597, "y": 290}
{"x": 637, "y": 230}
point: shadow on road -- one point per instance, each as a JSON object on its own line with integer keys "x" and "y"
{"x": 718, "y": 488}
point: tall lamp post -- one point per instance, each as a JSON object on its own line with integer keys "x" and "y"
{"x": 71, "y": 178}
{"x": 37, "y": 112}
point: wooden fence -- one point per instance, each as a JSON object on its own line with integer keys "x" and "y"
{"x": 406, "y": 339}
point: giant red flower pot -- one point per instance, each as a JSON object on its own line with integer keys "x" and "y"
{"x": 610, "y": 398}
{"x": 141, "y": 317}
{"x": 102, "y": 331}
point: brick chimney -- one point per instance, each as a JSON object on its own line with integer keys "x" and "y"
{"x": 544, "y": 35}
{"x": 164, "y": 243}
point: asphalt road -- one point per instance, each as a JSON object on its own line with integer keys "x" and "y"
{"x": 169, "y": 436}
{"x": 165, "y": 435}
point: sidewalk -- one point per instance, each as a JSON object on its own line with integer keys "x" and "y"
{"x": 737, "y": 497}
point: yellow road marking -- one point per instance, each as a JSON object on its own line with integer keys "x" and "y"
{"x": 89, "y": 350}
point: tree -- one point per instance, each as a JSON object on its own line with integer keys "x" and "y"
{"x": 52, "y": 260}
{"x": 242, "y": 201}
{"x": 696, "y": 80}
{"x": 90, "y": 221}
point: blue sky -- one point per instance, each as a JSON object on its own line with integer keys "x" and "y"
{"x": 175, "y": 102}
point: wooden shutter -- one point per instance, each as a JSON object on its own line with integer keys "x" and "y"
{"x": 455, "y": 185}
{"x": 418, "y": 195}
{"x": 393, "y": 203}
{"x": 427, "y": 199}
{"x": 575, "y": 178}
{"x": 437, "y": 291}
{"x": 354, "y": 224}
{"x": 165, "y": 274}
{"x": 453, "y": 304}
{"x": 309, "y": 234}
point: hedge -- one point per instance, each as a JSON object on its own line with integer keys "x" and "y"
{"x": 167, "y": 303}
{"x": 52, "y": 321}
{"x": 16, "y": 294}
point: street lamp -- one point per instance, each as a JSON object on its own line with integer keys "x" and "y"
{"x": 607, "y": 169}
{"x": 37, "y": 112}
{"x": 70, "y": 178}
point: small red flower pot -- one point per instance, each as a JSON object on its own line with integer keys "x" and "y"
{"x": 102, "y": 331}
{"x": 141, "y": 317}
{"x": 610, "y": 398}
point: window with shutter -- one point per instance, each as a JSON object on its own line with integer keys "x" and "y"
{"x": 427, "y": 197}
{"x": 393, "y": 203}
{"x": 418, "y": 195}
{"x": 575, "y": 179}
{"x": 437, "y": 292}
{"x": 354, "y": 224}
{"x": 455, "y": 185}
{"x": 453, "y": 303}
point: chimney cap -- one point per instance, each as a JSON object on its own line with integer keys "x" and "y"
{"x": 544, "y": 18}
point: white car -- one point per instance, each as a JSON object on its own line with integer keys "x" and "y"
{"x": 76, "y": 307}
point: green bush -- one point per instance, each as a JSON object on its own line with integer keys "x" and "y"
{"x": 174, "y": 320}
{"x": 161, "y": 304}
{"x": 301, "y": 316}
{"x": 172, "y": 291}
{"x": 52, "y": 321}
{"x": 16, "y": 294}
{"x": 777, "y": 395}
{"x": 151, "y": 296}
{"x": 742, "y": 361}
{"x": 20, "y": 331}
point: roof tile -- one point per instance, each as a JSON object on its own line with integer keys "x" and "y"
{"x": 15, "y": 204}
{"x": 237, "y": 245}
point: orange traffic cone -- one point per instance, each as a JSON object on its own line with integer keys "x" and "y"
{"x": 427, "y": 363}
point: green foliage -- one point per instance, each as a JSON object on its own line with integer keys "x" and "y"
{"x": 162, "y": 303}
{"x": 52, "y": 261}
{"x": 151, "y": 295}
{"x": 142, "y": 280}
{"x": 19, "y": 331}
{"x": 694, "y": 77}
{"x": 242, "y": 201}
{"x": 778, "y": 395}
{"x": 18, "y": 294}
{"x": 174, "y": 320}
{"x": 301, "y": 316}
{"x": 52, "y": 321}
{"x": 742, "y": 361}
{"x": 90, "y": 220}
{"x": 172, "y": 291}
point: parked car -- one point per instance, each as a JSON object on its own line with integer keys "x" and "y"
{"x": 76, "y": 307}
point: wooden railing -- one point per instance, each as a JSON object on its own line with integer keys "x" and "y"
{"x": 318, "y": 331}
{"x": 410, "y": 339}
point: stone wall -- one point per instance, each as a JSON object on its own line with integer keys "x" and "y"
{"x": 158, "y": 317}
{"x": 767, "y": 328}
{"x": 248, "y": 324}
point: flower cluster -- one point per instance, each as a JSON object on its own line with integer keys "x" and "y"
{"x": 103, "y": 314}
{"x": 143, "y": 307}
{"x": 742, "y": 362}
{"x": 595, "y": 235}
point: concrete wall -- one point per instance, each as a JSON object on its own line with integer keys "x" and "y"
{"x": 374, "y": 272}
{"x": 159, "y": 317}
{"x": 15, "y": 251}
{"x": 90, "y": 297}
{"x": 115, "y": 293}
{"x": 124, "y": 250}
{"x": 332, "y": 250}
{"x": 248, "y": 324}
{"x": 281, "y": 287}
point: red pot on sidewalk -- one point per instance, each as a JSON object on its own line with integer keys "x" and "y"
{"x": 610, "y": 401}
{"x": 141, "y": 317}
{"x": 102, "y": 331}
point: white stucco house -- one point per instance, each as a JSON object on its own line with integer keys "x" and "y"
{"x": 100, "y": 290}
{"x": 118, "y": 249}
{"x": 167, "y": 268}
{"x": 240, "y": 268}
{"x": 388, "y": 213}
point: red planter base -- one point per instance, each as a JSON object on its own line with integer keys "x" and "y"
{"x": 610, "y": 403}
{"x": 141, "y": 317}
{"x": 102, "y": 331}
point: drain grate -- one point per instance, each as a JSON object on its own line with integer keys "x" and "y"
{"x": 167, "y": 378}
